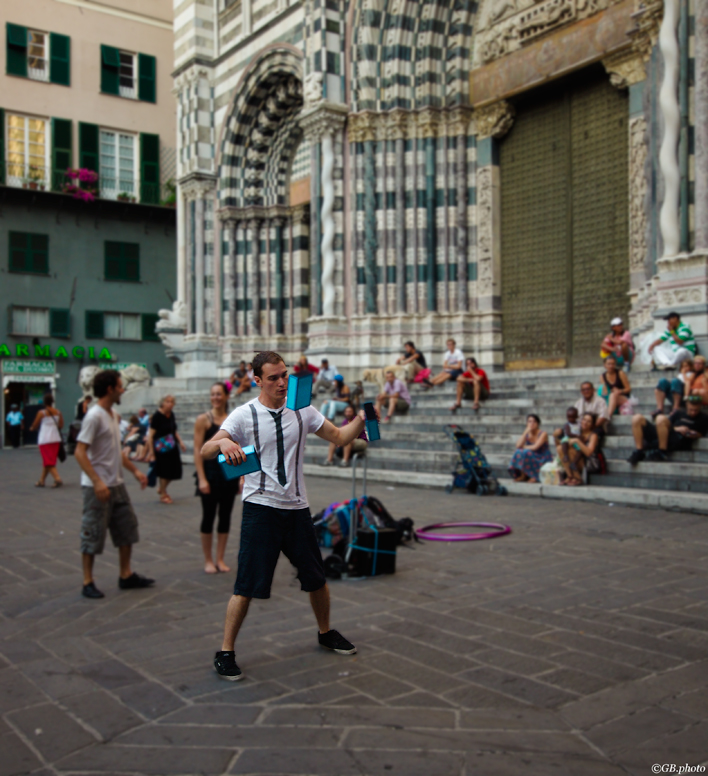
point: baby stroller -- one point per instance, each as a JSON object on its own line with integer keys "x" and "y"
{"x": 473, "y": 471}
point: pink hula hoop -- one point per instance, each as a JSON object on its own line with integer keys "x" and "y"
{"x": 499, "y": 530}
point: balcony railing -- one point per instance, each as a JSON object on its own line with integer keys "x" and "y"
{"x": 40, "y": 178}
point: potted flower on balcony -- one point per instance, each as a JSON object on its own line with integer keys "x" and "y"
{"x": 170, "y": 199}
{"x": 34, "y": 179}
{"x": 123, "y": 196}
{"x": 81, "y": 184}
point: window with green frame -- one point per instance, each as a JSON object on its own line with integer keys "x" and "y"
{"x": 29, "y": 253}
{"x": 122, "y": 261}
{"x": 127, "y": 74}
{"x": 149, "y": 322}
{"x": 128, "y": 326}
{"x": 41, "y": 56}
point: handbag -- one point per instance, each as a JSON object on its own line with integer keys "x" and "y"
{"x": 61, "y": 455}
{"x": 165, "y": 444}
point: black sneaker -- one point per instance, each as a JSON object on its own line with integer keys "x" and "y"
{"x": 134, "y": 581}
{"x": 659, "y": 456}
{"x": 636, "y": 457}
{"x": 225, "y": 666}
{"x": 336, "y": 642}
{"x": 91, "y": 591}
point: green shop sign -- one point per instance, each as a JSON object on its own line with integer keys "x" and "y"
{"x": 42, "y": 351}
{"x": 29, "y": 367}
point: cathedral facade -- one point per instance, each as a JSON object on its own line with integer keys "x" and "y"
{"x": 512, "y": 173}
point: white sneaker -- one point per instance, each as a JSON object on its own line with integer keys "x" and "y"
{"x": 327, "y": 463}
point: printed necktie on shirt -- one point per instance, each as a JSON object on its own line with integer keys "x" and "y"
{"x": 278, "y": 418}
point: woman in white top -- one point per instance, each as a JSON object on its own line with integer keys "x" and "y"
{"x": 49, "y": 421}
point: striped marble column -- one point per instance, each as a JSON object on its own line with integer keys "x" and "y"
{"x": 701, "y": 127}
{"x": 254, "y": 276}
{"x": 459, "y": 128}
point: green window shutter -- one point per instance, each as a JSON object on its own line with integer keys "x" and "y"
{"x": 59, "y": 59}
{"x": 110, "y": 68}
{"x": 122, "y": 261}
{"x": 112, "y": 258}
{"x": 18, "y": 251}
{"x": 2, "y": 146}
{"x": 61, "y": 151}
{"x": 131, "y": 262}
{"x": 147, "y": 67}
{"x": 88, "y": 146}
{"x": 16, "y": 50}
{"x": 149, "y": 321}
{"x": 39, "y": 253}
{"x": 149, "y": 168}
{"x": 94, "y": 324}
{"x": 59, "y": 323}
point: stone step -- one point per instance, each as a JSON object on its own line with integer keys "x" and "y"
{"x": 607, "y": 495}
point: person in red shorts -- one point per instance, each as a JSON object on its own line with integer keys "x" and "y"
{"x": 472, "y": 384}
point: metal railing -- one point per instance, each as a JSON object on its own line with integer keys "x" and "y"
{"x": 41, "y": 178}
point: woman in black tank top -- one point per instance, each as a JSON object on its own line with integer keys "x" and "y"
{"x": 215, "y": 491}
{"x": 615, "y": 388}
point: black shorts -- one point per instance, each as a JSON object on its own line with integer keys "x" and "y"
{"x": 676, "y": 441}
{"x": 265, "y": 533}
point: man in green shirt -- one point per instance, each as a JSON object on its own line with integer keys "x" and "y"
{"x": 675, "y": 345}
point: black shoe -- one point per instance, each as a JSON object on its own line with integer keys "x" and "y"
{"x": 336, "y": 642}
{"x": 636, "y": 457}
{"x": 91, "y": 591}
{"x": 659, "y": 456}
{"x": 225, "y": 666}
{"x": 134, "y": 581}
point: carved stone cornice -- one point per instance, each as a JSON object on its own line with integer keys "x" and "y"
{"x": 458, "y": 121}
{"x": 645, "y": 35}
{"x": 301, "y": 214}
{"x": 188, "y": 77}
{"x": 625, "y": 68}
{"x": 244, "y": 215}
{"x": 196, "y": 186}
{"x": 397, "y": 125}
{"x": 325, "y": 118}
{"x": 428, "y": 123}
{"x": 494, "y": 120}
{"x": 361, "y": 127}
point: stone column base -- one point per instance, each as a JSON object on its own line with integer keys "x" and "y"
{"x": 681, "y": 285}
{"x": 198, "y": 361}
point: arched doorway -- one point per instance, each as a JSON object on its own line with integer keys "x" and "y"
{"x": 564, "y": 221}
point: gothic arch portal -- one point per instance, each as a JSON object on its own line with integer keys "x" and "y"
{"x": 261, "y": 131}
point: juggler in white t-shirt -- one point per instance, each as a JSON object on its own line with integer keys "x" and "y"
{"x": 257, "y": 425}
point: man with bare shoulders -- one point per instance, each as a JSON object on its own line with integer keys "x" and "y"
{"x": 276, "y": 515}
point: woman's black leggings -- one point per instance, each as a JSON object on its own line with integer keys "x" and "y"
{"x": 221, "y": 497}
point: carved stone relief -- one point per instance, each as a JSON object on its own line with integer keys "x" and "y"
{"x": 637, "y": 193}
{"x": 494, "y": 120}
{"x": 485, "y": 231}
{"x": 507, "y": 25}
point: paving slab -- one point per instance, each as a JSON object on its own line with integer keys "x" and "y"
{"x": 576, "y": 645}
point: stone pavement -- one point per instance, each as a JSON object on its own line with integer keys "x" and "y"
{"x": 578, "y": 645}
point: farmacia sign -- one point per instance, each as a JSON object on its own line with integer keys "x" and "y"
{"x": 42, "y": 351}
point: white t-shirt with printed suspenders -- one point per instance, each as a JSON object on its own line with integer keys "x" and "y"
{"x": 279, "y": 439}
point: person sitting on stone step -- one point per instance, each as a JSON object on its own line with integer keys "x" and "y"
{"x": 589, "y": 401}
{"x": 677, "y": 431}
{"x": 675, "y": 345}
{"x": 452, "y": 365}
{"x": 358, "y": 445}
{"x": 618, "y": 343}
{"x": 675, "y": 389}
{"x": 395, "y": 393}
{"x": 472, "y": 384}
{"x": 699, "y": 384}
{"x": 581, "y": 452}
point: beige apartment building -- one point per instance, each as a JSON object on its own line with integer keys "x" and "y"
{"x": 87, "y": 262}
{"x": 105, "y": 67}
